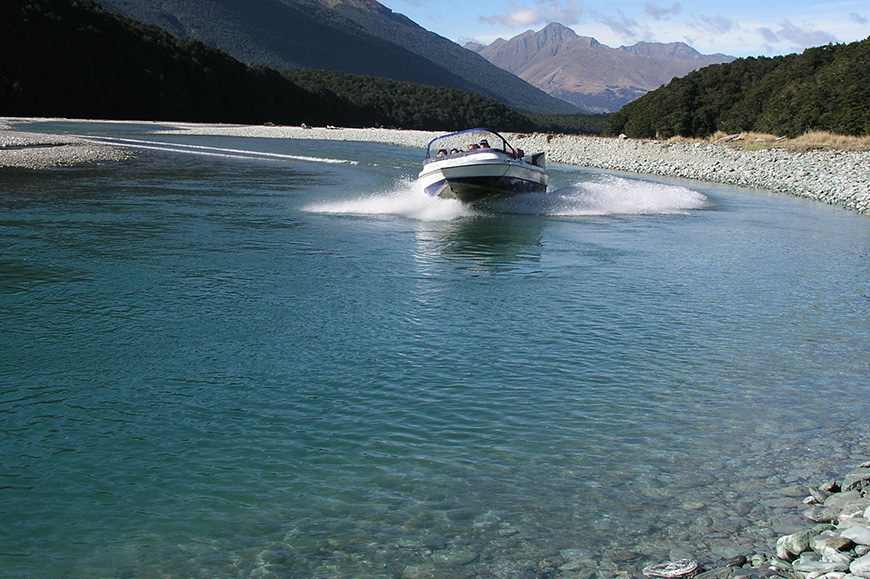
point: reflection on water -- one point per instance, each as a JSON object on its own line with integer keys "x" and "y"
{"x": 489, "y": 243}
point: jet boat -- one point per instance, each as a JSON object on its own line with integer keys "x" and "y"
{"x": 479, "y": 164}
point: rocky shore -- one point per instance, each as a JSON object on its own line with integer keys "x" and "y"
{"x": 834, "y": 177}
{"x": 834, "y": 545}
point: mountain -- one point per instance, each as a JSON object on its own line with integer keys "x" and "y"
{"x": 822, "y": 89}
{"x": 595, "y": 77}
{"x": 360, "y": 37}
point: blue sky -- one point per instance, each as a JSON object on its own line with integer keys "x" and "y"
{"x": 735, "y": 27}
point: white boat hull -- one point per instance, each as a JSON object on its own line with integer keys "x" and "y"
{"x": 482, "y": 173}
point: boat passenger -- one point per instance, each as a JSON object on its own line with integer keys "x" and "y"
{"x": 454, "y": 151}
{"x": 472, "y": 147}
{"x": 441, "y": 153}
{"x": 484, "y": 144}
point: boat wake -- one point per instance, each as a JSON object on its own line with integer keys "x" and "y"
{"x": 608, "y": 195}
{"x": 208, "y": 151}
{"x": 407, "y": 199}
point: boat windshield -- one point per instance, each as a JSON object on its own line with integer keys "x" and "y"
{"x": 467, "y": 141}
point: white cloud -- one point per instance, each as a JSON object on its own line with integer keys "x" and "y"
{"x": 716, "y": 25}
{"x": 628, "y": 29}
{"x": 660, "y": 13}
{"x": 798, "y": 37}
{"x": 566, "y": 12}
{"x": 728, "y": 31}
{"x": 522, "y": 16}
{"x": 768, "y": 35}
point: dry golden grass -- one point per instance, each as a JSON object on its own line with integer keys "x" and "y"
{"x": 809, "y": 141}
{"x": 826, "y": 140}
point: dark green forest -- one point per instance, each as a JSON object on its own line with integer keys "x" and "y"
{"x": 407, "y": 105}
{"x": 574, "y": 124}
{"x": 71, "y": 58}
{"x": 826, "y": 88}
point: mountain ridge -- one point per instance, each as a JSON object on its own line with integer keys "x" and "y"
{"x": 360, "y": 37}
{"x": 74, "y": 59}
{"x": 591, "y": 75}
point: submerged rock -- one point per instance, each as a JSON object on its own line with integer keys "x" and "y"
{"x": 672, "y": 569}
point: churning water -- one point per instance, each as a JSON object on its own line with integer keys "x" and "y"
{"x": 254, "y": 358}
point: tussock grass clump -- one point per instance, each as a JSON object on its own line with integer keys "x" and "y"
{"x": 828, "y": 140}
{"x": 813, "y": 140}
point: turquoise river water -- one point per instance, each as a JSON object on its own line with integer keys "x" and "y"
{"x": 219, "y": 363}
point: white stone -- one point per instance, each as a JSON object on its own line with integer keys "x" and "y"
{"x": 861, "y": 567}
{"x": 831, "y": 555}
{"x": 671, "y": 569}
{"x": 857, "y": 534}
{"x": 808, "y": 563}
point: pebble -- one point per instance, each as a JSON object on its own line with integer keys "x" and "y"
{"x": 672, "y": 569}
{"x": 861, "y": 566}
{"x": 834, "y": 546}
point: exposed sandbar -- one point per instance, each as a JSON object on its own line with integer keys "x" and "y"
{"x": 41, "y": 151}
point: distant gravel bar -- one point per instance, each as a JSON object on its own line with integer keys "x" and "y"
{"x": 833, "y": 177}
{"x": 40, "y": 151}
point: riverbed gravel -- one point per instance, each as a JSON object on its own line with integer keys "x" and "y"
{"x": 36, "y": 151}
{"x": 830, "y": 176}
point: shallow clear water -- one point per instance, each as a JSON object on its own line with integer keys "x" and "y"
{"x": 224, "y": 364}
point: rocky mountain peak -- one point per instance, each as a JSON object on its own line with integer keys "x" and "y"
{"x": 586, "y": 73}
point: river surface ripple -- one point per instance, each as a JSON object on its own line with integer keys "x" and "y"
{"x": 248, "y": 357}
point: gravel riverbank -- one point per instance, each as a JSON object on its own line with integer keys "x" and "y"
{"x": 39, "y": 151}
{"x": 834, "y": 542}
{"x": 833, "y": 177}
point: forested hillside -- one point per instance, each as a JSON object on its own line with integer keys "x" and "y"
{"x": 70, "y": 58}
{"x": 825, "y": 88}
{"x": 361, "y": 38}
{"x": 408, "y": 105}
